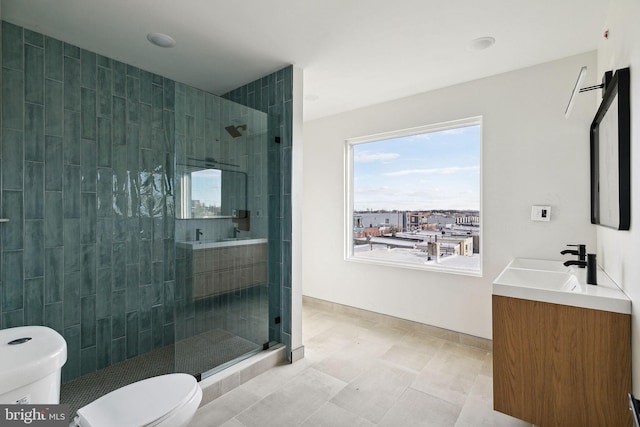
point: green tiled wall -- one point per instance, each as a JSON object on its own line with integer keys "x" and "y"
{"x": 86, "y": 181}
{"x": 86, "y": 175}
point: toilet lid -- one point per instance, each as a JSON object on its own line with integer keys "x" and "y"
{"x": 140, "y": 404}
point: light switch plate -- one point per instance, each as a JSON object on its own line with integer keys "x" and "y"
{"x": 540, "y": 213}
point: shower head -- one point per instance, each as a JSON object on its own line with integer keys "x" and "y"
{"x": 234, "y": 131}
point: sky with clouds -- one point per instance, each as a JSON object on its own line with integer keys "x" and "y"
{"x": 436, "y": 170}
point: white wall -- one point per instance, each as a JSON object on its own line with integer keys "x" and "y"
{"x": 531, "y": 155}
{"x": 619, "y": 251}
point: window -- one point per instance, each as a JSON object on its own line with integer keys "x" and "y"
{"x": 414, "y": 197}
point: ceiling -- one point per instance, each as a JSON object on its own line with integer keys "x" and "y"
{"x": 353, "y": 53}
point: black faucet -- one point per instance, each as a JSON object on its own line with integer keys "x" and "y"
{"x": 581, "y": 252}
{"x": 198, "y": 234}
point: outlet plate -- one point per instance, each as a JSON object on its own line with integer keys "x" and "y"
{"x": 540, "y": 213}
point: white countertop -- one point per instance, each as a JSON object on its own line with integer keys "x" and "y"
{"x": 204, "y": 244}
{"x": 552, "y": 282}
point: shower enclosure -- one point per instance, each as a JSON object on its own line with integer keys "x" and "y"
{"x": 221, "y": 232}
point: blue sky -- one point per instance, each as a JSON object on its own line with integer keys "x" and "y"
{"x": 436, "y": 170}
{"x": 206, "y": 186}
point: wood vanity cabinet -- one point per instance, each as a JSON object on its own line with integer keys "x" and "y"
{"x": 221, "y": 270}
{"x": 561, "y": 366}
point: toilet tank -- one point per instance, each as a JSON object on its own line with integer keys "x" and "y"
{"x": 31, "y": 360}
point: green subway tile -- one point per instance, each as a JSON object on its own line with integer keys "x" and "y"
{"x": 118, "y": 322}
{"x": 132, "y": 334}
{"x": 88, "y": 321}
{"x": 54, "y": 274}
{"x": 53, "y": 59}
{"x": 71, "y": 194}
{"x": 71, "y": 244}
{"x": 33, "y": 38}
{"x": 133, "y": 287}
{"x": 12, "y": 208}
{"x": 11, "y": 319}
{"x": 104, "y": 142}
{"x": 53, "y": 167}
{"x": 88, "y": 270}
{"x": 133, "y": 147}
{"x": 104, "y": 91}
{"x": 89, "y": 167}
{"x": 12, "y": 159}
{"x": 133, "y": 242}
{"x": 133, "y": 71}
{"x": 103, "y": 292}
{"x": 158, "y": 101}
{"x": 88, "y": 118}
{"x": 157, "y": 79}
{"x": 88, "y": 69}
{"x": 146, "y": 265}
{"x": 71, "y": 369}
{"x": 12, "y": 99}
{"x": 53, "y": 219}
{"x": 169, "y": 94}
{"x": 88, "y": 360}
{"x": 146, "y": 340}
{"x": 119, "y": 261}
{"x": 33, "y": 74}
{"x": 88, "y": 215}
{"x": 118, "y": 349}
{"x": 33, "y": 248}
{"x": 169, "y": 131}
{"x": 71, "y": 84}
{"x": 169, "y": 334}
{"x": 146, "y": 81}
{"x": 133, "y": 99}
{"x": 119, "y": 79}
{"x": 145, "y": 126}
{"x": 120, "y": 174}
{"x": 53, "y": 317}
{"x": 34, "y": 132}
{"x": 34, "y": 190}
{"x": 71, "y": 51}
{"x": 72, "y": 298}
{"x": 119, "y": 122}
{"x": 71, "y": 141}
{"x": 13, "y": 296}
{"x": 103, "y": 343}
{"x": 104, "y": 233}
{"x": 169, "y": 301}
{"x": 12, "y": 39}
{"x": 53, "y": 108}
{"x": 34, "y": 301}
{"x": 145, "y": 308}
{"x": 103, "y": 61}
{"x": 104, "y": 203}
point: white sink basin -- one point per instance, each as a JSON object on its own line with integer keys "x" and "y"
{"x": 552, "y": 282}
{"x": 538, "y": 264}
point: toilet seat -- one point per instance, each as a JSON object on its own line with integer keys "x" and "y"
{"x": 143, "y": 403}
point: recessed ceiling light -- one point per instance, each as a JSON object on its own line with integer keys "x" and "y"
{"x": 161, "y": 40}
{"x": 482, "y": 43}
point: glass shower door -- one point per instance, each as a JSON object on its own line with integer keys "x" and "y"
{"x": 221, "y": 287}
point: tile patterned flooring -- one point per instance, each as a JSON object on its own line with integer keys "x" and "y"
{"x": 366, "y": 369}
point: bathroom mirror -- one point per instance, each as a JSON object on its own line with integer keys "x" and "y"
{"x": 210, "y": 189}
{"x": 610, "y": 156}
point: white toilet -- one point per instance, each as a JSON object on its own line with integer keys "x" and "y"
{"x": 31, "y": 359}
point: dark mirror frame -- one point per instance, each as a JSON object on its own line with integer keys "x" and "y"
{"x": 616, "y": 90}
